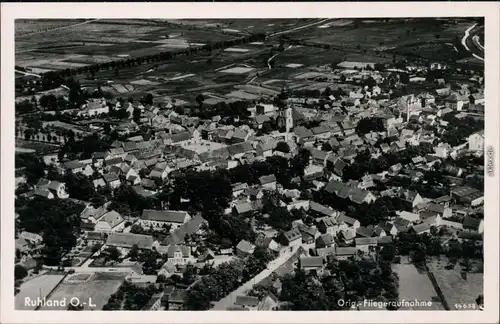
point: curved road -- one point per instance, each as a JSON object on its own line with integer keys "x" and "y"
{"x": 470, "y": 42}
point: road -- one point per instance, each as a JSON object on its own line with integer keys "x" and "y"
{"x": 28, "y": 73}
{"x": 300, "y": 27}
{"x": 228, "y": 301}
{"x": 58, "y": 28}
{"x": 470, "y": 42}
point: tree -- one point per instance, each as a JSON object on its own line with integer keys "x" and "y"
{"x": 326, "y": 147}
{"x": 134, "y": 252}
{"x": 367, "y": 125}
{"x": 19, "y": 272}
{"x": 136, "y": 115}
{"x": 113, "y": 253}
{"x": 57, "y": 220}
{"x": 282, "y": 147}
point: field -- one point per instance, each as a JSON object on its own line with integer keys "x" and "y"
{"x": 37, "y": 287}
{"x": 429, "y": 38}
{"x": 96, "y": 289}
{"x": 457, "y": 289}
{"x": 102, "y": 41}
{"x": 416, "y": 285}
{"x": 38, "y": 147}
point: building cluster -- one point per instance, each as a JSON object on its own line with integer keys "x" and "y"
{"x": 334, "y": 142}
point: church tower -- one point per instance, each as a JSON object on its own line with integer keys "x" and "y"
{"x": 286, "y": 113}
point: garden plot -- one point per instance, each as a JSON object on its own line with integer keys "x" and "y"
{"x": 37, "y": 287}
{"x": 294, "y": 65}
{"x": 238, "y": 70}
{"x": 96, "y": 289}
{"x": 143, "y": 82}
{"x": 236, "y": 50}
{"x": 416, "y": 285}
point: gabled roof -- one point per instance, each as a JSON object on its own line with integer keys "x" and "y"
{"x": 179, "y": 137}
{"x": 188, "y": 228}
{"x": 245, "y": 246}
{"x": 346, "y": 219}
{"x": 70, "y": 165}
{"x": 420, "y": 228}
{"x": 302, "y": 132}
{"x": 364, "y": 231}
{"x": 471, "y": 223}
{"x": 292, "y": 235}
{"x": 314, "y": 206}
{"x": 128, "y": 240}
{"x": 267, "y": 179}
{"x": 247, "y": 301}
{"x": 112, "y": 218}
{"x": 325, "y": 239}
{"x": 346, "y": 251}
{"x": 311, "y": 262}
{"x": 110, "y": 177}
{"x": 172, "y": 249}
{"x": 366, "y": 241}
{"x": 170, "y": 216}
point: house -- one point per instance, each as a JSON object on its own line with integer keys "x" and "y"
{"x": 421, "y": 228}
{"x": 363, "y": 231}
{"x": 347, "y": 235}
{"x": 128, "y": 240}
{"x": 324, "y": 241}
{"x": 73, "y": 166}
{"x": 351, "y": 222}
{"x": 155, "y": 303}
{"x": 179, "y": 254}
{"x": 266, "y": 150}
{"x": 51, "y": 189}
{"x": 244, "y": 249}
{"x": 268, "y": 182}
{"x": 476, "y": 141}
{"x": 385, "y": 241}
{"x": 268, "y": 302}
{"x": 343, "y": 253}
{"x": 239, "y": 188}
{"x": 109, "y": 222}
{"x": 388, "y": 228}
{"x": 331, "y": 226}
{"x": 312, "y": 264}
{"x": 95, "y": 238}
{"x": 409, "y": 217}
{"x": 309, "y": 234}
{"x": 177, "y": 299}
{"x": 243, "y": 209}
{"x": 441, "y": 210}
{"x": 366, "y": 244}
{"x": 112, "y": 180}
{"x": 412, "y": 198}
{"x": 318, "y": 210}
{"x": 32, "y": 239}
{"x": 248, "y": 302}
{"x": 268, "y": 243}
{"x": 473, "y": 225}
{"x": 161, "y": 218}
{"x": 193, "y": 226}
{"x": 345, "y": 191}
{"x": 291, "y": 238}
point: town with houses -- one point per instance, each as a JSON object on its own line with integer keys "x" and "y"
{"x": 349, "y": 186}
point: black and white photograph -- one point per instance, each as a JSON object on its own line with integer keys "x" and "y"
{"x": 250, "y": 164}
